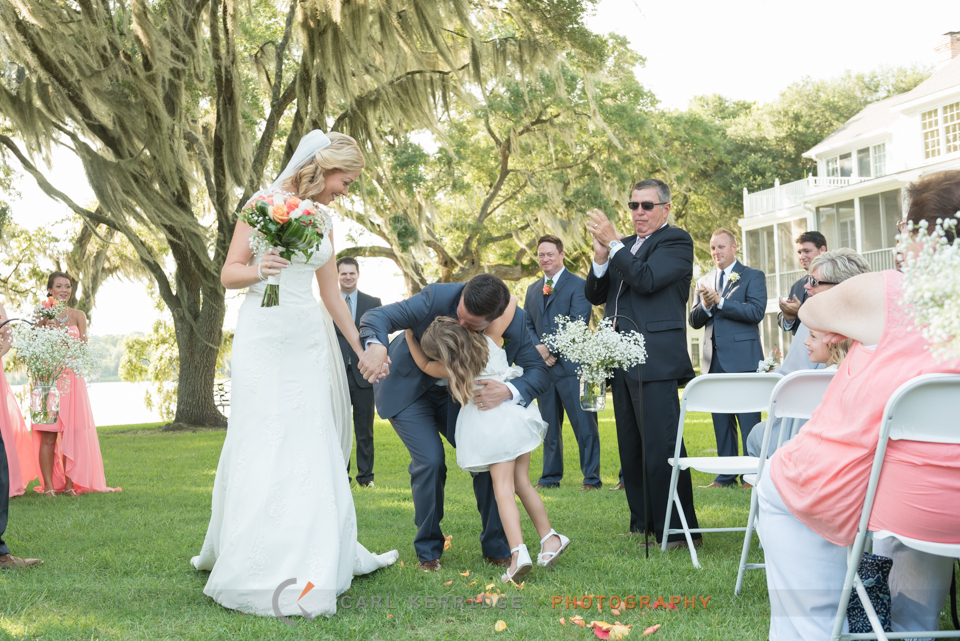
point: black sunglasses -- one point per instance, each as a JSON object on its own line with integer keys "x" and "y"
{"x": 816, "y": 283}
{"x": 647, "y": 205}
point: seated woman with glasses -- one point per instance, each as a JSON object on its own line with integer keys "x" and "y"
{"x": 811, "y": 494}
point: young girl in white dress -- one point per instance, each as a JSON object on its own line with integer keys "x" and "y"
{"x": 500, "y": 438}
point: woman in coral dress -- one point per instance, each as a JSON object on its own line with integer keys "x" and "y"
{"x": 16, "y": 436}
{"x": 69, "y": 450}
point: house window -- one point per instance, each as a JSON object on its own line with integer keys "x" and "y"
{"x": 833, "y": 170}
{"x": 863, "y": 162}
{"x": 879, "y": 160}
{"x": 931, "y": 133}
{"x": 951, "y": 127}
{"x": 836, "y": 222}
{"x": 787, "y": 234}
{"x": 846, "y": 165}
{"x": 879, "y": 214}
{"x": 760, "y": 250}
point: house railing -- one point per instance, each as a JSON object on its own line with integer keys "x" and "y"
{"x": 790, "y": 194}
{"x": 880, "y": 260}
{"x": 787, "y": 279}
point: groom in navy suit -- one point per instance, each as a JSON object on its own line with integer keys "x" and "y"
{"x": 560, "y": 293}
{"x": 421, "y": 410}
{"x": 730, "y": 302}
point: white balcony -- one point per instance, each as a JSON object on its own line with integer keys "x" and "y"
{"x": 785, "y": 196}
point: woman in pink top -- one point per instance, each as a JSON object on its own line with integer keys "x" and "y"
{"x": 812, "y": 492}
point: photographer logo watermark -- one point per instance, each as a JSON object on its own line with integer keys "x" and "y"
{"x": 276, "y": 602}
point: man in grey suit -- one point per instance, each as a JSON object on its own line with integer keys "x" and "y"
{"x": 810, "y": 244}
{"x": 730, "y": 303}
{"x": 560, "y": 293}
{"x": 361, "y": 391}
{"x": 421, "y": 410}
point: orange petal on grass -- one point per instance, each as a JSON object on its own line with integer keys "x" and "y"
{"x": 563, "y": 621}
{"x": 446, "y": 546}
{"x": 603, "y": 625}
{"x": 601, "y": 633}
{"x": 615, "y": 612}
{"x": 449, "y": 583}
{"x": 578, "y": 620}
{"x": 519, "y": 587}
{"x": 401, "y": 563}
{"x": 471, "y": 583}
{"x": 500, "y": 626}
{"x": 389, "y": 616}
{"x": 619, "y": 631}
{"x": 467, "y": 573}
{"x": 490, "y": 586}
{"x": 650, "y": 630}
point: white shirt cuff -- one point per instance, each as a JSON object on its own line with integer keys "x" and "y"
{"x": 720, "y": 304}
{"x": 600, "y": 270}
{"x": 788, "y": 324}
{"x": 615, "y": 250}
{"x": 516, "y": 395}
{"x": 708, "y": 310}
{"x": 371, "y": 341}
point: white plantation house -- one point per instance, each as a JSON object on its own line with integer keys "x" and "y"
{"x": 855, "y": 200}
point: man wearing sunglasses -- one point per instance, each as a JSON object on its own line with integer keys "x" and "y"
{"x": 729, "y": 305}
{"x": 646, "y": 277}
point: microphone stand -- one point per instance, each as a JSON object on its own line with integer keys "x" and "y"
{"x": 643, "y": 452}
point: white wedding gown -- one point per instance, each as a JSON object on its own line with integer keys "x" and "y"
{"x": 282, "y": 507}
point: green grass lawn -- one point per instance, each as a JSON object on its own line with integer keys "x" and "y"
{"x": 117, "y": 565}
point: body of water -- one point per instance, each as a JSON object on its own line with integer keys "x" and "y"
{"x": 117, "y": 403}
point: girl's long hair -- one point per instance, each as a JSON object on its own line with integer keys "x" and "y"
{"x": 838, "y": 352}
{"x": 463, "y": 353}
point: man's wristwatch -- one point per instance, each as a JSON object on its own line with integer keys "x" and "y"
{"x": 614, "y": 244}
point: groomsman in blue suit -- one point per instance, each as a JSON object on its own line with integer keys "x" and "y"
{"x": 560, "y": 293}
{"x": 730, "y": 303}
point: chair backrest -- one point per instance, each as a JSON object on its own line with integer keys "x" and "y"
{"x": 729, "y": 393}
{"x": 925, "y": 409}
{"x": 799, "y": 393}
{"x": 922, "y": 409}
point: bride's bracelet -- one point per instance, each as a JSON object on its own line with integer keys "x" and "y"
{"x": 260, "y": 273}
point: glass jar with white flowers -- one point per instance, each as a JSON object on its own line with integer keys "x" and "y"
{"x": 48, "y": 351}
{"x": 596, "y": 354}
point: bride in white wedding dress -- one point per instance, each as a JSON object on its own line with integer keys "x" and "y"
{"x": 282, "y": 507}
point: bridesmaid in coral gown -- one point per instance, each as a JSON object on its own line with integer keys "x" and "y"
{"x": 16, "y": 437}
{"x": 69, "y": 450}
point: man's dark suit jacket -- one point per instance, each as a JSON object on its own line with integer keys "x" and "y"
{"x": 364, "y": 302}
{"x": 656, "y": 284}
{"x": 567, "y": 299}
{"x": 735, "y": 329}
{"x": 407, "y": 382}
{"x": 798, "y": 290}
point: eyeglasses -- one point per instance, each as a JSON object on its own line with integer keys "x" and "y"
{"x": 813, "y": 282}
{"x": 647, "y": 205}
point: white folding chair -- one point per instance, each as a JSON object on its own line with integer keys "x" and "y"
{"x": 922, "y": 409}
{"x": 795, "y": 396}
{"x": 721, "y": 394}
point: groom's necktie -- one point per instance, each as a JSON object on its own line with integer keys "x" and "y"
{"x": 616, "y": 307}
{"x": 720, "y": 282}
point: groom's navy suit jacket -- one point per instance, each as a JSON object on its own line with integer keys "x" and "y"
{"x": 407, "y": 382}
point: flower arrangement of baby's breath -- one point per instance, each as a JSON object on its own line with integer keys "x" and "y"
{"x": 597, "y": 353}
{"x": 931, "y": 266}
{"x": 49, "y": 351}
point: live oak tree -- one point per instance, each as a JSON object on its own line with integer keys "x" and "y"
{"x": 180, "y": 109}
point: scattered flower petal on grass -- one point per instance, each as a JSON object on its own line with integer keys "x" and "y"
{"x": 650, "y": 630}
{"x": 615, "y": 612}
{"x": 467, "y": 573}
{"x": 578, "y": 620}
{"x": 449, "y": 583}
{"x": 620, "y": 631}
{"x": 563, "y": 621}
{"x": 471, "y": 583}
{"x": 500, "y": 626}
{"x": 389, "y": 616}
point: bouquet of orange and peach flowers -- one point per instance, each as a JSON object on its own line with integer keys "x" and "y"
{"x": 284, "y": 221}
{"x": 51, "y": 309}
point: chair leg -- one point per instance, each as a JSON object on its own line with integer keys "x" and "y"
{"x": 686, "y": 533}
{"x": 868, "y": 608}
{"x": 674, "y": 476}
{"x": 747, "y": 537}
{"x": 853, "y": 552}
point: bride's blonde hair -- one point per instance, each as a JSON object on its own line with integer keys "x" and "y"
{"x": 463, "y": 353}
{"x": 343, "y": 154}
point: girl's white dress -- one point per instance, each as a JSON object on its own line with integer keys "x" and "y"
{"x": 502, "y": 433}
